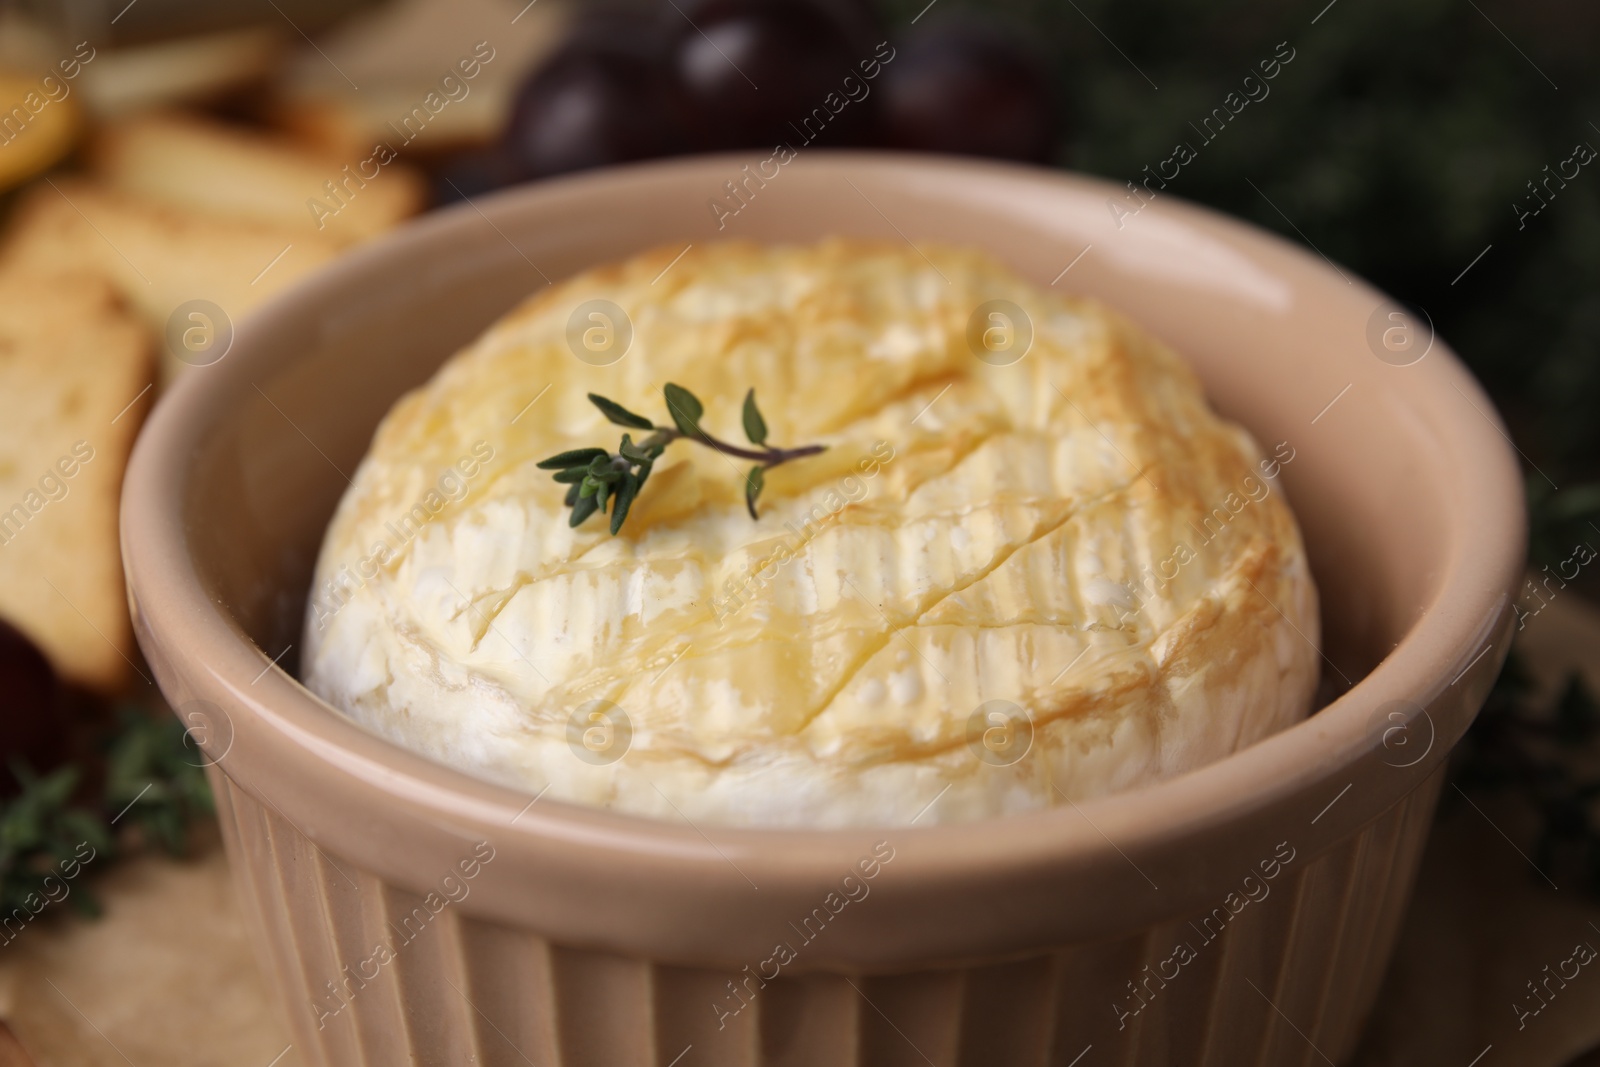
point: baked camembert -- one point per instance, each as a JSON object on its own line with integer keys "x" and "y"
{"x": 1031, "y": 566}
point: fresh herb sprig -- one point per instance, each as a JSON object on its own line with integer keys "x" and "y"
{"x": 41, "y": 830}
{"x": 1544, "y": 752}
{"x": 598, "y": 477}
{"x": 150, "y": 784}
{"x": 155, "y": 775}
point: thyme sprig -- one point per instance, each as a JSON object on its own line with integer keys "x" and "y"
{"x": 1545, "y": 752}
{"x": 597, "y": 477}
{"x": 149, "y": 781}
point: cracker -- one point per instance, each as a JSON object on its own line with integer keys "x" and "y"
{"x": 160, "y": 257}
{"x": 197, "y": 165}
{"x": 75, "y": 364}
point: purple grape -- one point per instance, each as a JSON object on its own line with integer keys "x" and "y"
{"x": 607, "y": 95}
{"x": 860, "y": 23}
{"x": 968, "y": 85}
{"x": 758, "y": 69}
{"x": 31, "y": 728}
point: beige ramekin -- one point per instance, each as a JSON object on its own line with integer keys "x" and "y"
{"x": 1239, "y": 914}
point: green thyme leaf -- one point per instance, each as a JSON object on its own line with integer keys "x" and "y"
{"x": 585, "y": 507}
{"x": 753, "y": 484}
{"x": 629, "y": 450}
{"x": 578, "y": 457}
{"x": 572, "y": 494}
{"x": 572, "y": 474}
{"x": 619, "y": 414}
{"x": 602, "y": 471}
{"x": 755, "y": 427}
{"x": 625, "y": 494}
{"x": 685, "y": 408}
{"x": 588, "y": 488}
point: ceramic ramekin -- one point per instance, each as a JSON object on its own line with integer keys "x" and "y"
{"x": 1239, "y": 914}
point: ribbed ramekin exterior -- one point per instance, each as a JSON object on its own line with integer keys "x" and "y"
{"x": 1288, "y": 981}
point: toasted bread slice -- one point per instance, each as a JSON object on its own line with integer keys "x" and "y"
{"x": 197, "y": 165}
{"x": 191, "y": 68}
{"x": 160, "y": 257}
{"x": 75, "y": 370}
{"x": 426, "y": 88}
{"x": 35, "y": 130}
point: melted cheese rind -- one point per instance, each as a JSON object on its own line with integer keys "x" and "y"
{"x": 974, "y": 533}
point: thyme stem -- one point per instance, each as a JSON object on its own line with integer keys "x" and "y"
{"x": 598, "y": 477}
{"x": 767, "y": 457}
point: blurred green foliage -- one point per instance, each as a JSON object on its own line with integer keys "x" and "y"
{"x": 1541, "y": 748}
{"x": 157, "y": 777}
{"x": 1398, "y": 141}
{"x": 41, "y": 835}
{"x": 151, "y": 791}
